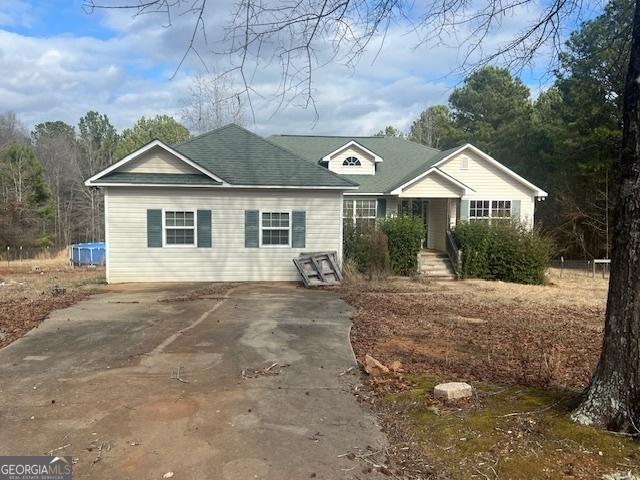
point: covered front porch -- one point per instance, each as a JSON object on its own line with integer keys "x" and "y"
{"x": 437, "y": 214}
{"x": 435, "y": 197}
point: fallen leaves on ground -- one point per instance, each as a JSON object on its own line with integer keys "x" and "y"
{"x": 469, "y": 336}
{"x": 18, "y": 316}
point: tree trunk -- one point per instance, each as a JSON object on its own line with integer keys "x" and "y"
{"x": 612, "y": 399}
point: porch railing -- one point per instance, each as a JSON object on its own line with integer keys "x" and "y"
{"x": 455, "y": 254}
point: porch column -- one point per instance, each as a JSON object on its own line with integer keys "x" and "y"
{"x": 453, "y": 206}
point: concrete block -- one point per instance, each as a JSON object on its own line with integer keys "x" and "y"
{"x": 453, "y": 390}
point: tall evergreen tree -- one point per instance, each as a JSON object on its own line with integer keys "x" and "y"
{"x": 160, "y": 127}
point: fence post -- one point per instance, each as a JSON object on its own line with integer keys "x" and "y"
{"x": 20, "y": 252}
{"x": 8, "y": 254}
{"x": 561, "y": 266}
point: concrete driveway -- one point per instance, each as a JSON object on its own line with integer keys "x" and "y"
{"x": 96, "y": 379}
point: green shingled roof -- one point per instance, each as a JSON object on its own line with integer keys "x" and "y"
{"x": 403, "y": 160}
{"x": 159, "y": 178}
{"x": 241, "y": 157}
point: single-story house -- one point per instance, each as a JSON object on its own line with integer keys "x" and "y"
{"x": 230, "y": 205}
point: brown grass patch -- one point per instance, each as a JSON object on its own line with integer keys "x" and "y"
{"x": 528, "y": 351}
{"x": 484, "y": 331}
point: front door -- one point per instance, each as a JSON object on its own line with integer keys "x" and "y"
{"x": 419, "y": 208}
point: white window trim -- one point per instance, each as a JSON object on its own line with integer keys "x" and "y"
{"x": 290, "y": 228}
{"x": 491, "y": 200}
{"x": 353, "y": 215}
{"x": 164, "y": 228}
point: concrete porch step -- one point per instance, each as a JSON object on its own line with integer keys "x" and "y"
{"x": 435, "y": 265}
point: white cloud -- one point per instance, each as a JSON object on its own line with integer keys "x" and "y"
{"x": 128, "y": 75}
{"x": 15, "y": 13}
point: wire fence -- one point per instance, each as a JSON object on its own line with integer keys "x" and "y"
{"x": 18, "y": 253}
{"x": 589, "y": 268}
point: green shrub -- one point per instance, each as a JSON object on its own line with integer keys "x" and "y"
{"x": 404, "y": 233}
{"x": 354, "y": 244}
{"x": 367, "y": 249}
{"x": 506, "y": 251}
{"x": 474, "y": 239}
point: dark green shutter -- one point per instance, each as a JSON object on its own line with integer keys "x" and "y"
{"x": 204, "y": 228}
{"x": 298, "y": 229}
{"x": 251, "y": 228}
{"x": 381, "y": 211}
{"x": 464, "y": 210}
{"x": 154, "y": 228}
{"x": 515, "y": 209}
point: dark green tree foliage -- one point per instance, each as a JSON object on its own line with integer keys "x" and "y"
{"x": 390, "y": 131}
{"x": 435, "y": 128}
{"x": 404, "y": 234}
{"x": 160, "y": 127}
{"x": 506, "y": 251}
{"x": 24, "y": 196}
{"x": 576, "y": 134}
{"x": 492, "y": 109}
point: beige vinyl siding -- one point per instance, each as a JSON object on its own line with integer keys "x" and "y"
{"x": 157, "y": 160}
{"x": 367, "y": 161}
{"x": 130, "y": 260}
{"x": 489, "y": 182}
{"x": 432, "y": 186}
{"x": 437, "y": 223}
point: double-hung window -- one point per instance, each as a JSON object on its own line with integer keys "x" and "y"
{"x": 360, "y": 214}
{"x": 179, "y": 228}
{"x": 488, "y": 210}
{"x": 501, "y": 209}
{"x": 275, "y": 229}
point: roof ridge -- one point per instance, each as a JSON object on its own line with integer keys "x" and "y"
{"x": 324, "y": 136}
{"x": 210, "y": 132}
{"x": 404, "y": 139}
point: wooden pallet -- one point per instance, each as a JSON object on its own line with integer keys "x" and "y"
{"x": 318, "y": 268}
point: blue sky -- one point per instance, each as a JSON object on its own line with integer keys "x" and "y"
{"x": 59, "y": 62}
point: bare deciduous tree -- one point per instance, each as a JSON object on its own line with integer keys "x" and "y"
{"x": 211, "y": 104}
{"x": 55, "y": 144}
{"x": 11, "y": 130}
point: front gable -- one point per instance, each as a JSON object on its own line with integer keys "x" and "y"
{"x": 157, "y": 160}
{"x": 486, "y": 176}
{"x": 341, "y": 162}
{"x": 433, "y": 185}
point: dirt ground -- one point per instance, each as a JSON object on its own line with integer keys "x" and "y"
{"x": 527, "y": 350}
{"x": 485, "y": 331}
{"x": 31, "y": 289}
